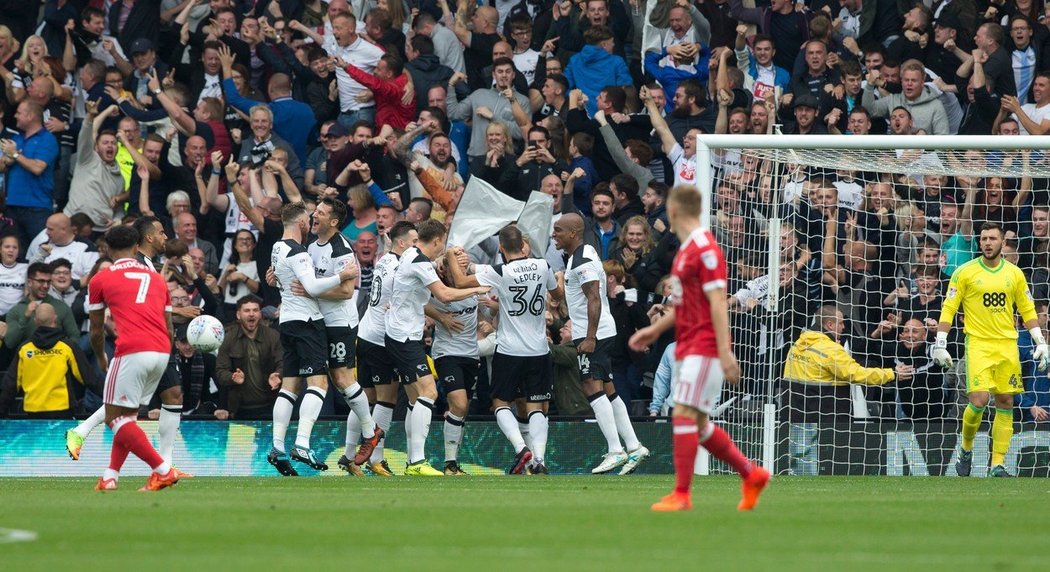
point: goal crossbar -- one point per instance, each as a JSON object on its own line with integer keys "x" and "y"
{"x": 930, "y": 142}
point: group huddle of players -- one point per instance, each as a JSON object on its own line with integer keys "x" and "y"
{"x": 323, "y": 337}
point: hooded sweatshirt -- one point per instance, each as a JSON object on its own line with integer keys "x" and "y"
{"x": 927, "y": 111}
{"x": 427, "y": 71}
{"x": 47, "y": 368}
{"x": 594, "y": 69}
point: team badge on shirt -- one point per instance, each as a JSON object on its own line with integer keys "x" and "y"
{"x": 710, "y": 260}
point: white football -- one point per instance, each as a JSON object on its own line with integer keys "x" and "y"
{"x": 205, "y": 333}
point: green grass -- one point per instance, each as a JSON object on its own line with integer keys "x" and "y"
{"x": 528, "y": 523}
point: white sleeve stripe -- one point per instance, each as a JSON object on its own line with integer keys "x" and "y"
{"x": 714, "y": 285}
{"x": 99, "y": 306}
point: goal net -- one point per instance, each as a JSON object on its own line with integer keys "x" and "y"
{"x": 869, "y": 228}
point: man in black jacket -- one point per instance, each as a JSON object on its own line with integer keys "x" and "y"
{"x": 921, "y": 397}
{"x": 526, "y": 174}
{"x": 142, "y": 20}
{"x": 427, "y": 70}
{"x": 625, "y": 188}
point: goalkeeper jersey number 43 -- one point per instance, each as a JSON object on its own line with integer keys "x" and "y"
{"x": 988, "y": 297}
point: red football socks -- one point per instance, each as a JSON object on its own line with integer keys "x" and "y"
{"x": 686, "y": 441}
{"x": 721, "y": 447}
{"x": 131, "y": 437}
{"x": 117, "y": 456}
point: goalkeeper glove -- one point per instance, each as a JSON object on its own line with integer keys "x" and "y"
{"x": 940, "y": 350}
{"x": 1041, "y": 353}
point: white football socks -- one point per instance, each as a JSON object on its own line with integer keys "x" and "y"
{"x": 357, "y": 400}
{"x": 309, "y": 410}
{"x": 88, "y": 425}
{"x": 523, "y": 427}
{"x": 509, "y": 425}
{"x": 170, "y": 416}
{"x": 538, "y": 427}
{"x": 453, "y": 436}
{"x": 623, "y": 423}
{"x": 382, "y": 414}
{"x": 421, "y": 416}
{"x": 282, "y": 416}
{"x": 603, "y": 413}
{"x": 353, "y": 434}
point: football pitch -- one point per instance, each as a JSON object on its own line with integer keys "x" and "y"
{"x": 523, "y": 523}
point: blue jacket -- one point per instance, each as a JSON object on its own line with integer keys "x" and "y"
{"x": 781, "y": 77}
{"x": 669, "y": 77}
{"x": 662, "y": 381}
{"x": 292, "y": 120}
{"x": 1036, "y": 383}
{"x": 581, "y": 192}
{"x": 594, "y": 69}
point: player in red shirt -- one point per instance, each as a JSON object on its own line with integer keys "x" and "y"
{"x": 703, "y": 356}
{"x": 140, "y": 304}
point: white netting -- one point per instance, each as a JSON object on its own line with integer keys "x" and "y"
{"x": 901, "y": 223}
{"x": 916, "y": 162}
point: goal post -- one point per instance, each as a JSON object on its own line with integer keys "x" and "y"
{"x": 870, "y": 226}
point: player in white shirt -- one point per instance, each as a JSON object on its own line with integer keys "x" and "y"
{"x": 414, "y": 282}
{"x": 594, "y": 332}
{"x": 375, "y": 368}
{"x": 457, "y": 360}
{"x": 302, "y": 337}
{"x": 331, "y": 252}
{"x": 522, "y": 363}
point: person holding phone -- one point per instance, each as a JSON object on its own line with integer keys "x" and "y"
{"x": 536, "y": 162}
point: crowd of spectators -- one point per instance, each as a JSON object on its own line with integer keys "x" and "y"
{"x": 113, "y": 110}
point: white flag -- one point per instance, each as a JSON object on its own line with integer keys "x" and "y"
{"x": 535, "y": 221}
{"x": 482, "y": 212}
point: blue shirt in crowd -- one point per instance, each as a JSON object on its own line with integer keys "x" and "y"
{"x": 292, "y": 120}
{"x": 24, "y": 189}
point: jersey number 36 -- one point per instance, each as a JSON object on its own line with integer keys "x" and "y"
{"x": 533, "y": 306}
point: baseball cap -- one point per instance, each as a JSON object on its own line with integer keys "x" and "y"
{"x": 806, "y": 100}
{"x": 949, "y": 20}
{"x": 141, "y": 46}
{"x": 338, "y": 130}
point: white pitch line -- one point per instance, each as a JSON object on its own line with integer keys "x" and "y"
{"x": 12, "y": 535}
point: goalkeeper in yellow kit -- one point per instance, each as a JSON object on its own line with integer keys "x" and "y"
{"x": 988, "y": 288}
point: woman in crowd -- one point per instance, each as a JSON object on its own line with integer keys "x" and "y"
{"x": 241, "y": 276}
{"x": 559, "y": 137}
{"x": 499, "y": 150}
{"x": 364, "y": 208}
{"x": 636, "y": 241}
